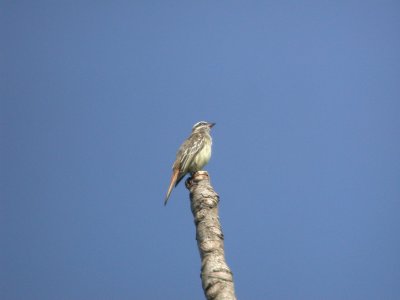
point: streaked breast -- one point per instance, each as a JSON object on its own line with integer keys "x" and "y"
{"x": 202, "y": 158}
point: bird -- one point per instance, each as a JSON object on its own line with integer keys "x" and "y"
{"x": 193, "y": 154}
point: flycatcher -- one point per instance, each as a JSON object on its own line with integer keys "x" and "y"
{"x": 192, "y": 155}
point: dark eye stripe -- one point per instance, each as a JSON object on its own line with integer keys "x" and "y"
{"x": 199, "y": 124}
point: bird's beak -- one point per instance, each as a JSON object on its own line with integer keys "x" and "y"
{"x": 211, "y": 124}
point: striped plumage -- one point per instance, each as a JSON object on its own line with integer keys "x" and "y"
{"x": 192, "y": 155}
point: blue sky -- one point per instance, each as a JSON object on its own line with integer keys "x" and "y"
{"x": 96, "y": 98}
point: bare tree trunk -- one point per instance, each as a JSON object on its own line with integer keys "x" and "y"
{"x": 216, "y": 277}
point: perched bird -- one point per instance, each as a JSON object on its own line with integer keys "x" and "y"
{"x": 193, "y": 154}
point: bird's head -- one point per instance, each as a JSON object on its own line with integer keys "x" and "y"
{"x": 202, "y": 125}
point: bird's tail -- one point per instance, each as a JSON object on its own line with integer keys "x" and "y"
{"x": 174, "y": 178}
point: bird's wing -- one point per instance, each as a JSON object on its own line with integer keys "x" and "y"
{"x": 186, "y": 154}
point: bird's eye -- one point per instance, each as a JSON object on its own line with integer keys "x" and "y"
{"x": 199, "y": 124}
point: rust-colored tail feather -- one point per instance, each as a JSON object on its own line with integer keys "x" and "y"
{"x": 174, "y": 178}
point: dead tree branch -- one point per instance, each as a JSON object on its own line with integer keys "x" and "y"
{"x": 217, "y": 279}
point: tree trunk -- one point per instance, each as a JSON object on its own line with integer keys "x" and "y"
{"x": 216, "y": 277}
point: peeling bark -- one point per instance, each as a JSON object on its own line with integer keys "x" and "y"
{"x": 216, "y": 277}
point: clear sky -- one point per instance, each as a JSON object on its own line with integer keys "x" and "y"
{"x": 97, "y": 96}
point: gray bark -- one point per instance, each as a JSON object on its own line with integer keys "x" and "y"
{"x": 216, "y": 277}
